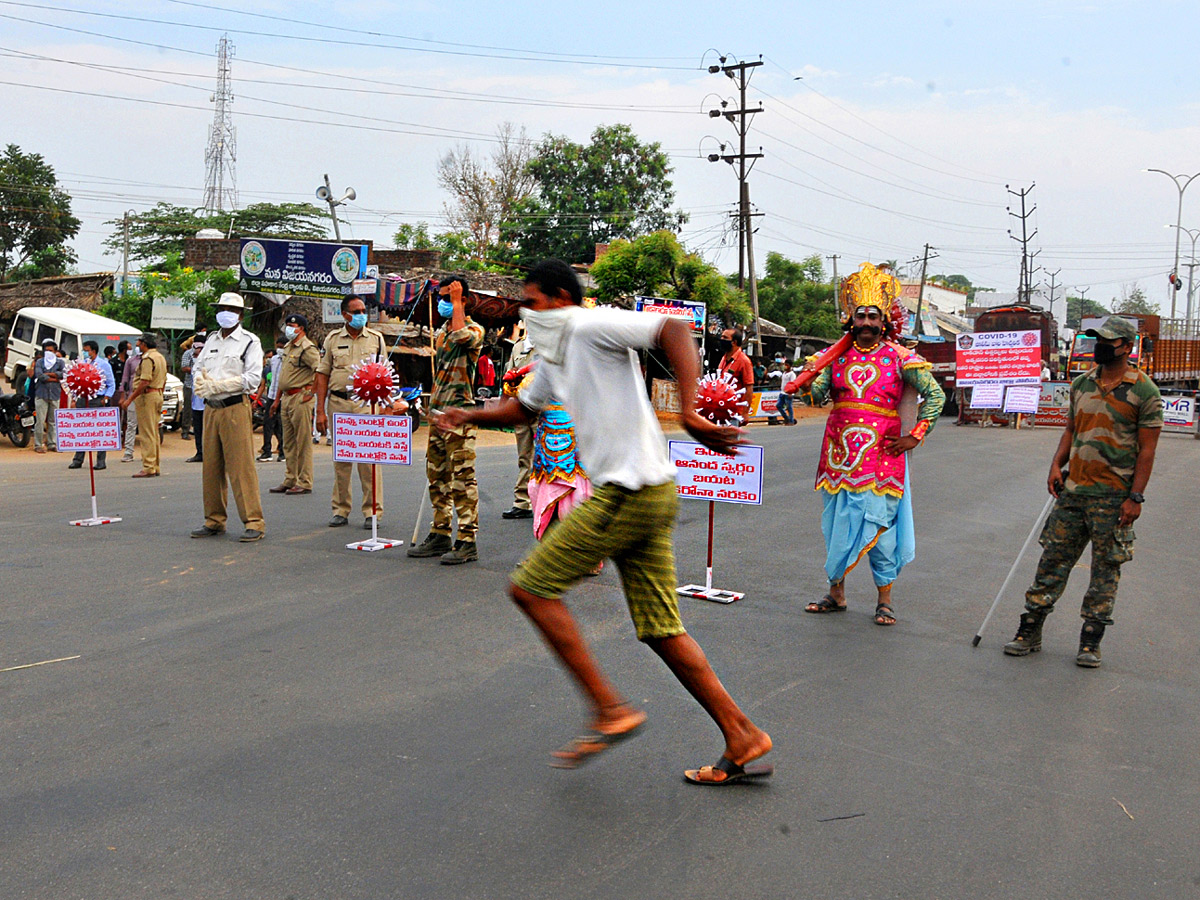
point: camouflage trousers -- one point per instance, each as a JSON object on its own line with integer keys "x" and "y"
{"x": 450, "y": 468}
{"x": 1073, "y": 523}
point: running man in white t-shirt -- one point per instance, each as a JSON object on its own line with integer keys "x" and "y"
{"x": 589, "y": 363}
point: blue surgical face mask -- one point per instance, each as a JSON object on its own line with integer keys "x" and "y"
{"x": 290, "y": 331}
{"x": 358, "y": 321}
{"x": 445, "y": 308}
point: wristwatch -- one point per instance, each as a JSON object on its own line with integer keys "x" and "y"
{"x": 1136, "y": 497}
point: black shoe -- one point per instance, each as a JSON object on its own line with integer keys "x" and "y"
{"x": 185, "y": 434}
{"x": 75, "y": 465}
{"x": 205, "y": 531}
{"x": 279, "y": 458}
{"x": 264, "y": 456}
{"x": 434, "y": 545}
{"x": 1089, "y": 645}
{"x": 98, "y": 466}
{"x": 1029, "y": 636}
{"x": 250, "y": 535}
{"x": 517, "y": 513}
{"x": 463, "y": 552}
{"x": 367, "y": 524}
{"x": 197, "y": 458}
{"x": 338, "y": 521}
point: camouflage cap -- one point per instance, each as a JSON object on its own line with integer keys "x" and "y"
{"x": 1114, "y": 328}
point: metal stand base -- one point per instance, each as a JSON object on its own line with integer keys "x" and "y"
{"x": 370, "y": 545}
{"x": 716, "y": 595}
{"x": 96, "y": 520}
{"x": 375, "y": 542}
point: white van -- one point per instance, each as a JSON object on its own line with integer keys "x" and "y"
{"x": 68, "y": 328}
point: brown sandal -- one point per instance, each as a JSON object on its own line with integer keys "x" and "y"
{"x": 825, "y": 605}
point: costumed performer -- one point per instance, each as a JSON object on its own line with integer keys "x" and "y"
{"x": 863, "y": 472}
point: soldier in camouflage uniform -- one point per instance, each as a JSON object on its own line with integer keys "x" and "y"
{"x": 1116, "y": 416}
{"x": 450, "y": 456}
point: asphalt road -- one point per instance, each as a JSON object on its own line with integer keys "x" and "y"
{"x": 291, "y": 719}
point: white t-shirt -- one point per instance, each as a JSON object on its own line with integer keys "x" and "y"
{"x": 599, "y": 381}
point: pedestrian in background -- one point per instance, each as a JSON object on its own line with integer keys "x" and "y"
{"x": 48, "y": 373}
{"x": 272, "y": 427}
{"x": 522, "y": 508}
{"x": 185, "y": 366}
{"x": 92, "y": 351}
{"x": 128, "y": 369}
{"x": 197, "y": 405}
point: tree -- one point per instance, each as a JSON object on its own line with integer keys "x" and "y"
{"x": 457, "y": 248}
{"x": 1080, "y": 308}
{"x": 169, "y": 279}
{"x": 657, "y": 265}
{"x": 797, "y": 296}
{"x": 1133, "y": 302}
{"x": 159, "y": 232}
{"x": 486, "y": 196}
{"x": 35, "y": 218}
{"x": 615, "y": 188}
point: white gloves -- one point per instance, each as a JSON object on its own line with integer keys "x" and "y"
{"x": 210, "y": 387}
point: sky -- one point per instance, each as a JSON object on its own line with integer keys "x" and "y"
{"x": 885, "y": 126}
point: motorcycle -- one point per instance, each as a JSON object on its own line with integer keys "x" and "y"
{"x": 412, "y": 396}
{"x": 16, "y": 418}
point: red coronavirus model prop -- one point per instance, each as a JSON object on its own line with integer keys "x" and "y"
{"x": 84, "y": 380}
{"x": 373, "y": 383}
{"x": 720, "y": 400}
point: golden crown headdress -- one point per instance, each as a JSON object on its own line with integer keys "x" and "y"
{"x": 869, "y": 286}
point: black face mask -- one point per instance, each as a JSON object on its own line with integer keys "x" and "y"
{"x": 1104, "y": 354}
{"x": 725, "y": 345}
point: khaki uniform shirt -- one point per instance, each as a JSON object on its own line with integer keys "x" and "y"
{"x": 343, "y": 352}
{"x": 299, "y": 367}
{"x": 152, "y": 370}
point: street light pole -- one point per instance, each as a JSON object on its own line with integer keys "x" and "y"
{"x": 325, "y": 193}
{"x": 1193, "y": 233}
{"x": 1178, "y": 224}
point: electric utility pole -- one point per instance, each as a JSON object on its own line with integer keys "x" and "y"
{"x": 1053, "y": 279}
{"x": 1027, "y": 270}
{"x": 921, "y": 289}
{"x": 740, "y": 118}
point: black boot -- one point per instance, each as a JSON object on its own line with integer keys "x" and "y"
{"x": 433, "y": 545}
{"x": 1029, "y": 635}
{"x": 1089, "y": 645}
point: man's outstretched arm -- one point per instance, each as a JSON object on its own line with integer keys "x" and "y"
{"x": 675, "y": 340}
{"x": 508, "y": 411}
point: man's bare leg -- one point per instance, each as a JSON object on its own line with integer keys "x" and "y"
{"x": 744, "y": 741}
{"x": 611, "y": 714}
{"x": 885, "y": 603}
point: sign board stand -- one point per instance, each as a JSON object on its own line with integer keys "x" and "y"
{"x": 705, "y": 474}
{"x": 374, "y": 542}
{"x": 103, "y": 433}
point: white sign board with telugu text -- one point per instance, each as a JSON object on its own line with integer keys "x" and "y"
{"x": 384, "y": 440}
{"x": 95, "y": 428}
{"x": 987, "y": 396}
{"x": 1022, "y": 398}
{"x": 703, "y": 474}
{"x": 170, "y": 313}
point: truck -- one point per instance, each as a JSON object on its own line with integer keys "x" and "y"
{"x": 1166, "y": 350}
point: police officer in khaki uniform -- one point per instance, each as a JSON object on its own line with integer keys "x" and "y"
{"x": 147, "y": 397}
{"x": 225, "y": 375}
{"x": 344, "y": 349}
{"x": 294, "y": 403}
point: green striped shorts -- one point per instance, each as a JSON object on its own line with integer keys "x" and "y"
{"x": 633, "y": 529}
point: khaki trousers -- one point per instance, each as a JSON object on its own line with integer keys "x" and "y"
{"x": 149, "y": 412}
{"x": 524, "y": 436}
{"x": 453, "y": 488}
{"x": 229, "y": 453}
{"x": 296, "y": 415}
{"x": 342, "y": 495}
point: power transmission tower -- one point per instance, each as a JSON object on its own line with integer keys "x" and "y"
{"x": 740, "y": 119}
{"x": 220, "y": 158}
{"x": 1027, "y": 269}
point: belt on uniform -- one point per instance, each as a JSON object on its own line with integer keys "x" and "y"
{"x": 291, "y": 391}
{"x": 151, "y": 390}
{"x": 229, "y": 401}
{"x": 340, "y": 394}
